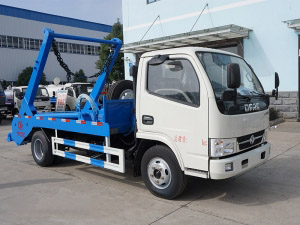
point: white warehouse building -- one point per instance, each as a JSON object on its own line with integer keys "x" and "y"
{"x": 21, "y": 34}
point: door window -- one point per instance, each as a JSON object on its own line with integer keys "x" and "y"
{"x": 42, "y": 92}
{"x": 70, "y": 92}
{"x": 175, "y": 79}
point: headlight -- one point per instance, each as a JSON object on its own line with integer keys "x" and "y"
{"x": 222, "y": 147}
{"x": 265, "y": 136}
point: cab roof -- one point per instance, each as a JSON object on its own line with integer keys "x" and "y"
{"x": 77, "y": 83}
{"x": 185, "y": 50}
{"x": 21, "y": 87}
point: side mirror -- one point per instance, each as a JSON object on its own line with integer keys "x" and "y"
{"x": 233, "y": 76}
{"x": 277, "y": 82}
{"x": 20, "y": 95}
{"x": 229, "y": 95}
{"x": 158, "y": 59}
{"x": 133, "y": 71}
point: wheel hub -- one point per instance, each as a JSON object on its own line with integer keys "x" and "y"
{"x": 126, "y": 94}
{"x": 159, "y": 173}
{"x": 38, "y": 149}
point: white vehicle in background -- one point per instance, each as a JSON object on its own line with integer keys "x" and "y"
{"x": 41, "y": 102}
{"x": 9, "y": 100}
{"x": 73, "y": 91}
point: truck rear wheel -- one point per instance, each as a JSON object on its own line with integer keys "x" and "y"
{"x": 161, "y": 172}
{"x": 41, "y": 149}
{"x": 122, "y": 89}
{"x": 14, "y": 111}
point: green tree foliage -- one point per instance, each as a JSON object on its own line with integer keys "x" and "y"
{"x": 118, "y": 69}
{"x": 79, "y": 76}
{"x": 24, "y": 77}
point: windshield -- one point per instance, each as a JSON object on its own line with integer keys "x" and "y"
{"x": 215, "y": 65}
{"x": 250, "y": 94}
{"x": 82, "y": 89}
{"x": 42, "y": 92}
{"x": 1, "y": 89}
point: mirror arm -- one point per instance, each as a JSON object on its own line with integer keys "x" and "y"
{"x": 275, "y": 93}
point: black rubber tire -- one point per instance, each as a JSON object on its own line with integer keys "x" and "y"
{"x": 57, "y": 160}
{"x": 68, "y": 108}
{"x": 178, "y": 180}
{"x": 117, "y": 88}
{"x": 47, "y": 158}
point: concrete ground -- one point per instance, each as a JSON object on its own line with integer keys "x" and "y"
{"x": 75, "y": 193}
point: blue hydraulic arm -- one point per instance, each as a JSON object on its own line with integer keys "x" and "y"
{"x": 28, "y": 108}
{"x": 103, "y": 76}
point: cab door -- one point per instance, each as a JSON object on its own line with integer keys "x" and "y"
{"x": 71, "y": 99}
{"x": 172, "y": 107}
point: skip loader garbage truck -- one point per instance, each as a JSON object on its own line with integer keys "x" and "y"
{"x": 195, "y": 112}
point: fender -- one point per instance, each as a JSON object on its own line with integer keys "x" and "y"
{"x": 164, "y": 139}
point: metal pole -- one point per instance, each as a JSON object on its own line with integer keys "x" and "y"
{"x": 149, "y": 27}
{"x": 206, "y": 5}
{"x": 298, "y": 78}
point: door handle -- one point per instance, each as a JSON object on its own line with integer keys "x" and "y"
{"x": 147, "y": 120}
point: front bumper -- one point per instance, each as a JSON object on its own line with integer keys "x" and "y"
{"x": 241, "y": 163}
{"x": 3, "y": 109}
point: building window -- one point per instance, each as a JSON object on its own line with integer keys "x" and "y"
{"x": 26, "y": 43}
{"x": 3, "y": 41}
{"x": 21, "y": 45}
{"x": 15, "y": 42}
{"x": 151, "y": 1}
{"x": 35, "y": 44}
{"x": 9, "y": 42}
{"x": 81, "y": 49}
{"x": 88, "y": 49}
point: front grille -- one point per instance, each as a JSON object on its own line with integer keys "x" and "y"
{"x": 244, "y": 141}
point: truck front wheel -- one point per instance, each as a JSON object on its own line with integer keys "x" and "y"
{"x": 161, "y": 172}
{"x": 41, "y": 149}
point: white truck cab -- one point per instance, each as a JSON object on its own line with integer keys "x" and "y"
{"x": 41, "y": 102}
{"x": 73, "y": 91}
{"x": 183, "y": 102}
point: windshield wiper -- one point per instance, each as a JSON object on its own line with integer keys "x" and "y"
{"x": 257, "y": 94}
{"x": 244, "y": 97}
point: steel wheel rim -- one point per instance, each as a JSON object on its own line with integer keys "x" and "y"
{"x": 38, "y": 149}
{"x": 126, "y": 94}
{"x": 159, "y": 173}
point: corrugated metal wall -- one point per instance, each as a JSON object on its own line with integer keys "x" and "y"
{"x": 13, "y": 61}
